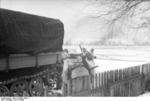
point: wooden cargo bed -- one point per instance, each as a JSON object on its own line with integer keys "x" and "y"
{"x": 17, "y": 61}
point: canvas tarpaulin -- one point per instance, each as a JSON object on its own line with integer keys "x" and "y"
{"x": 31, "y": 34}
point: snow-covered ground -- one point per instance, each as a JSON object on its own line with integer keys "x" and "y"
{"x": 117, "y": 57}
{"x": 146, "y": 94}
{"x": 109, "y": 59}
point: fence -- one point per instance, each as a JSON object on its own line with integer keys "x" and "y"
{"x": 129, "y": 81}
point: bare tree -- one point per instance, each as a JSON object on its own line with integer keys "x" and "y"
{"x": 121, "y": 8}
{"x": 123, "y": 11}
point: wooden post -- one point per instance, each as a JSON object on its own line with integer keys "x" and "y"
{"x": 69, "y": 85}
{"x": 89, "y": 85}
{"x": 99, "y": 80}
{"x": 96, "y": 76}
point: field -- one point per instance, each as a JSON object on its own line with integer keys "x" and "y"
{"x": 116, "y": 57}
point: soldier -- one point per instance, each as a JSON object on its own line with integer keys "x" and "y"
{"x": 88, "y": 61}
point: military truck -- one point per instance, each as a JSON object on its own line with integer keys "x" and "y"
{"x": 30, "y": 53}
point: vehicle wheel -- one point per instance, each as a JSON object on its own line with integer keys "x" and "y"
{"x": 4, "y": 91}
{"x": 36, "y": 87}
{"x": 19, "y": 88}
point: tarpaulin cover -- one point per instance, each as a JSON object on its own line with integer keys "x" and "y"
{"x": 31, "y": 34}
